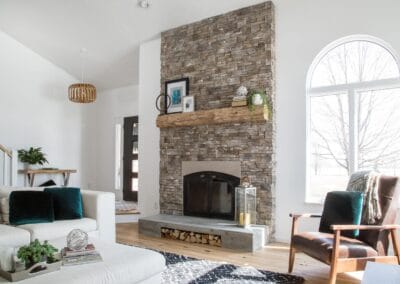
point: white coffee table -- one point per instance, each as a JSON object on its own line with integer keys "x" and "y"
{"x": 121, "y": 264}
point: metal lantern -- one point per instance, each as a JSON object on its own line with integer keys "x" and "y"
{"x": 245, "y": 205}
{"x": 82, "y": 93}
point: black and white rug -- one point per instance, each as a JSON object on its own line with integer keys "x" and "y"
{"x": 187, "y": 270}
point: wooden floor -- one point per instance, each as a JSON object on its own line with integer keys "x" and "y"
{"x": 273, "y": 257}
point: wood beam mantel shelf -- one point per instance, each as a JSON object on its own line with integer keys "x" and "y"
{"x": 212, "y": 116}
{"x": 31, "y": 174}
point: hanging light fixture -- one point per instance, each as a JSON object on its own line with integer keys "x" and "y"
{"x": 82, "y": 92}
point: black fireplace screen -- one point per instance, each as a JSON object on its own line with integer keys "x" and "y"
{"x": 210, "y": 194}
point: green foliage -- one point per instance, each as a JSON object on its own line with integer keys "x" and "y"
{"x": 32, "y": 156}
{"x": 37, "y": 252}
{"x": 266, "y": 100}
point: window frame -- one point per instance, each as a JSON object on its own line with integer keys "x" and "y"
{"x": 352, "y": 90}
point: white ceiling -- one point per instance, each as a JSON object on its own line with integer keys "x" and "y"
{"x": 111, "y": 31}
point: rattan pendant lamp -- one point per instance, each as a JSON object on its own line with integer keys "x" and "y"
{"x": 82, "y": 92}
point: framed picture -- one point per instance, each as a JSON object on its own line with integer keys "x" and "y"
{"x": 188, "y": 104}
{"x": 176, "y": 90}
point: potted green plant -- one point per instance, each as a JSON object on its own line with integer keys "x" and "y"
{"x": 36, "y": 252}
{"x": 258, "y": 98}
{"x": 33, "y": 156}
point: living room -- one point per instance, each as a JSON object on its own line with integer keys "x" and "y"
{"x": 195, "y": 128}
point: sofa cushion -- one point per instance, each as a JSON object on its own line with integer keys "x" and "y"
{"x": 67, "y": 202}
{"x": 14, "y": 237}
{"x": 28, "y": 207}
{"x": 58, "y": 229}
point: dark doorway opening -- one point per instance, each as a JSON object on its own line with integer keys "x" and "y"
{"x": 131, "y": 159}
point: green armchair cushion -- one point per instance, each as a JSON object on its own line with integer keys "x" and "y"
{"x": 342, "y": 208}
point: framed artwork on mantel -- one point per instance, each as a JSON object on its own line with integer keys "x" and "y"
{"x": 176, "y": 90}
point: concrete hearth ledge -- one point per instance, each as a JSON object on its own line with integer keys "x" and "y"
{"x": 232, "y": 236}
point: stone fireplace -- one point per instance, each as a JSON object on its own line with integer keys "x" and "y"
{"x": 218, "y": 55}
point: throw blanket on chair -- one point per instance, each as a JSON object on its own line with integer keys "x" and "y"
{"x": 368, "y": 183}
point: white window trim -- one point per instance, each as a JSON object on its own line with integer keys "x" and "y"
{"x": 352, "y": 90}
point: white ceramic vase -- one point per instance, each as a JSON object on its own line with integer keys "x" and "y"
{"x": 257, "y": 100}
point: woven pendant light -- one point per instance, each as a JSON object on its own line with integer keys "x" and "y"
{"x": 82, "y": 92}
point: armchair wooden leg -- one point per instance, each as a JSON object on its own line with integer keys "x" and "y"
{"x": 335, "y": 256}
{"x": 396, "y": 244}
{"x": 292, "y": 251}
{"x": 292, "y": 254}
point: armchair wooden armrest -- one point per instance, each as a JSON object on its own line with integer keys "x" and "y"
{"x": 364, "y": 227}
{"x": 296, "y": 216}
{"x": 305, "y": 215}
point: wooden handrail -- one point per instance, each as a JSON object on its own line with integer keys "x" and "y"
{"x": 5, "y": 150}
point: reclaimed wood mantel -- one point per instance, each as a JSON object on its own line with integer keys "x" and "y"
{"x": 212, "y": 116}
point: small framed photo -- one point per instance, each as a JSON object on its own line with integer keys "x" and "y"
{"x": 188, "y": 104}
{"x": 176, "y": 91}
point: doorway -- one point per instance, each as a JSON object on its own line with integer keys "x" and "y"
{"x": 131, "y": 159}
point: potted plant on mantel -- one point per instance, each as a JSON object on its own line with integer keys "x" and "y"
{"x": 258, "y": 98}
{"x": 32, "y": 157}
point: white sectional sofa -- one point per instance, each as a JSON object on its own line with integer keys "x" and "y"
{"x": 98, "y": 221}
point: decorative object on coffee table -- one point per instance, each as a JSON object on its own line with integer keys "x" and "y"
{"x": 38, "y": 259}
{"x": 78, "y": 251}
{"x": 32, "y": 156}
{"x": 176, "y": 90}
{"x": 77, "y": 240}
{"x": 188, "y": 104}
{"x": 245, "y": 205}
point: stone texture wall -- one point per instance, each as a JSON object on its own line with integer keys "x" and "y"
{"x": 218, "y": 55}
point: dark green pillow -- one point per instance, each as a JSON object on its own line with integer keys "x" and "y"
{"x": 67, "y": 202}
{"x": 30, "y": 207}
{"x": 342, "y": 208}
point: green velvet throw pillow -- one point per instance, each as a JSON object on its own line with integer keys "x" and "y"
{"x": 30, "y": 207}
{"x": 67, "y": 202}
{"x": 342, "y": 208}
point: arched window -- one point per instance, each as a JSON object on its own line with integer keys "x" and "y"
{"x": 353, "y": 93}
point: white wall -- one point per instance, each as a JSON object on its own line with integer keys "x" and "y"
{"x": 100, "y": 119}
{"x": 34, "y": 108}
{"x": 149, "y": 134}
{"x": 303, "y": 28}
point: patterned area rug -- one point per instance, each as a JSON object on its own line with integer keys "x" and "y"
{"x": 187, "y": 270}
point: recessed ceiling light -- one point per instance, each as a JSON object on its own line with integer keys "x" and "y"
{"x": 144, "y": 3}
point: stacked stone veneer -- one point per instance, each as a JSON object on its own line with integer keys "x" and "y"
{"x": 218, "y": 55}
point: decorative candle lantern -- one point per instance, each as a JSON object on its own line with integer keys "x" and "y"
{"x": 245, "y": 205}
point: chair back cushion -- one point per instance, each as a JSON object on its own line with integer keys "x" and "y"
{"x": 389, "y": 190}
{"x": 344, "y": 208}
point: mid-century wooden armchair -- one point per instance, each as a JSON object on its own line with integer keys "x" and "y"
{"x": 345, "y": 254}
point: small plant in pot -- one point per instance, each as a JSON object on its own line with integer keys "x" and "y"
{"x": 32, "y": 156}
{"x": 36, "y": 252}
{"x": 258, "y": 98}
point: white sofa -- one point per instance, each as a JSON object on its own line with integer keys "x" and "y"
{"x": 98, "y": 221}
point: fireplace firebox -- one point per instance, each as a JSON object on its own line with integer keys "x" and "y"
{"x": 210, "y": 194}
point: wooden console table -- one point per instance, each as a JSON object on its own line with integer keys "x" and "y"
{"x": 31, "y": 174}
